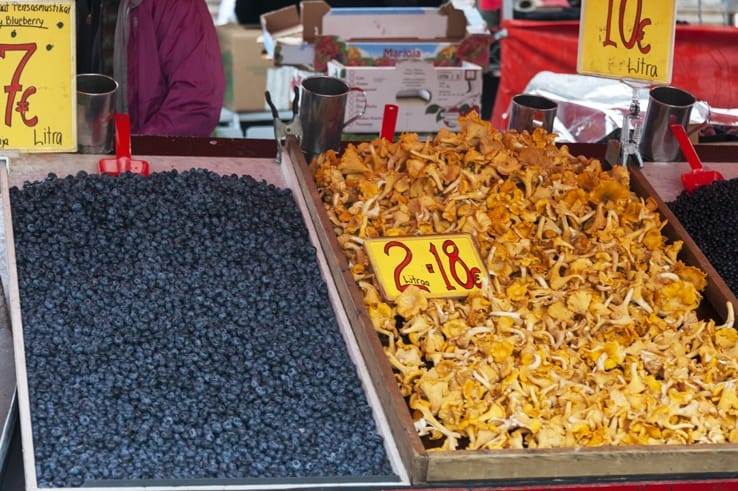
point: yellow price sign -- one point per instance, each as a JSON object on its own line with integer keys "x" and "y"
{"x": 627, "y": 39}
{"x": 37, "y": 75}
{"x": 445, "y": 265}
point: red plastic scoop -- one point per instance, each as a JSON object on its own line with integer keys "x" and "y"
{"x": 699, "y": 176}
{"x": 123, "y": 161}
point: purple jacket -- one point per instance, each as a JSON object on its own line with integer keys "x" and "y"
{"x": 175, "y": 72}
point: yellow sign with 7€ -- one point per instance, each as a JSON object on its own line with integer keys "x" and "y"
{"x": 37, "y": 75}
{"x": 627, "y": 39}
{"x": 445, "y": 265}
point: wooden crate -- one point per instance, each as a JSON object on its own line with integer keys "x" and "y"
{"x": 35, "y": 167}
{"x": 528, "y": 464}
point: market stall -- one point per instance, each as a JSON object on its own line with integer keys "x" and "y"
{"x": 469, "y": 309}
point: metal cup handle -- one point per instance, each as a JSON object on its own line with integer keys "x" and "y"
{"x": 707, "y": 122}
{"x": 363, "y": 109}
{"x": 537, "y": 121}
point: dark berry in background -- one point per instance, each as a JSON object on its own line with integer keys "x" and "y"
{"x": 176, "y": 326}
{"x": 710, "y": 216}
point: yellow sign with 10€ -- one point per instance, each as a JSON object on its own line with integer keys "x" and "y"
{"x": 446, "y": 265}
{"x": 37, "y": 74}
{"x": 627, "y": 39}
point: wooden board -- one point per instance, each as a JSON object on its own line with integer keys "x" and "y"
{"x": 427, "y": 467}
{"x": 665, "y": 177}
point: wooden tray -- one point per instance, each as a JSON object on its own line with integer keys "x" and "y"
{"x": 35, "y": 167}
{"x": 529, "y": 464}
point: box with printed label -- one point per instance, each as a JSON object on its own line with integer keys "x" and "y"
{"x": 474, "y": 48}
{"x": 376, "y": 36}
{"x": 428, "y": 97}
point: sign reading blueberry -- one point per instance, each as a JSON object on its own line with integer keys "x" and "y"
{"x": 37, "y": 76}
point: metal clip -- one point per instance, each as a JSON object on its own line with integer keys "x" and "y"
{"x": 631, "y": 135}
{"x": 6, "y": 156}
{"x": 281, "y": 128}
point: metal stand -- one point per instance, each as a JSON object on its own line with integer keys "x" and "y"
{"x": 281, "y": 128}
{"x": 630, "y": 135}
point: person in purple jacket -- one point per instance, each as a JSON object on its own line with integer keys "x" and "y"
{"x": 170, "y": 70}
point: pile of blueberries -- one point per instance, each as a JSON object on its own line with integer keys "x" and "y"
{"x": 177, "y": 327}
{"x": 710, "y": 216}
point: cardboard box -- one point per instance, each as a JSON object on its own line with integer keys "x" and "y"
{"x": 245, "y": 64}
{"x": 429, "y": 97}
{"x": 288, "y": 33}
{"x": 375, "y": 35}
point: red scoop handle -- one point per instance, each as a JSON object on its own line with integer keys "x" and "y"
{"x": 389, "y": 121}
{"x": 687, "y": 148}
{"x": 122, "y": 135}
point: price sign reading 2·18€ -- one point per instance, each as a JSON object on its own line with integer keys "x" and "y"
{"x": 441, "y": 265}
{"x": 627, "y": 39}
{"x": 37, "y": 76}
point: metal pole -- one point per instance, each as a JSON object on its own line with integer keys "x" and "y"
{"x": 507, "y": 9}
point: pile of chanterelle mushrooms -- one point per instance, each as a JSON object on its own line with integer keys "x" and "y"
{"x": 585, "y": 331}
